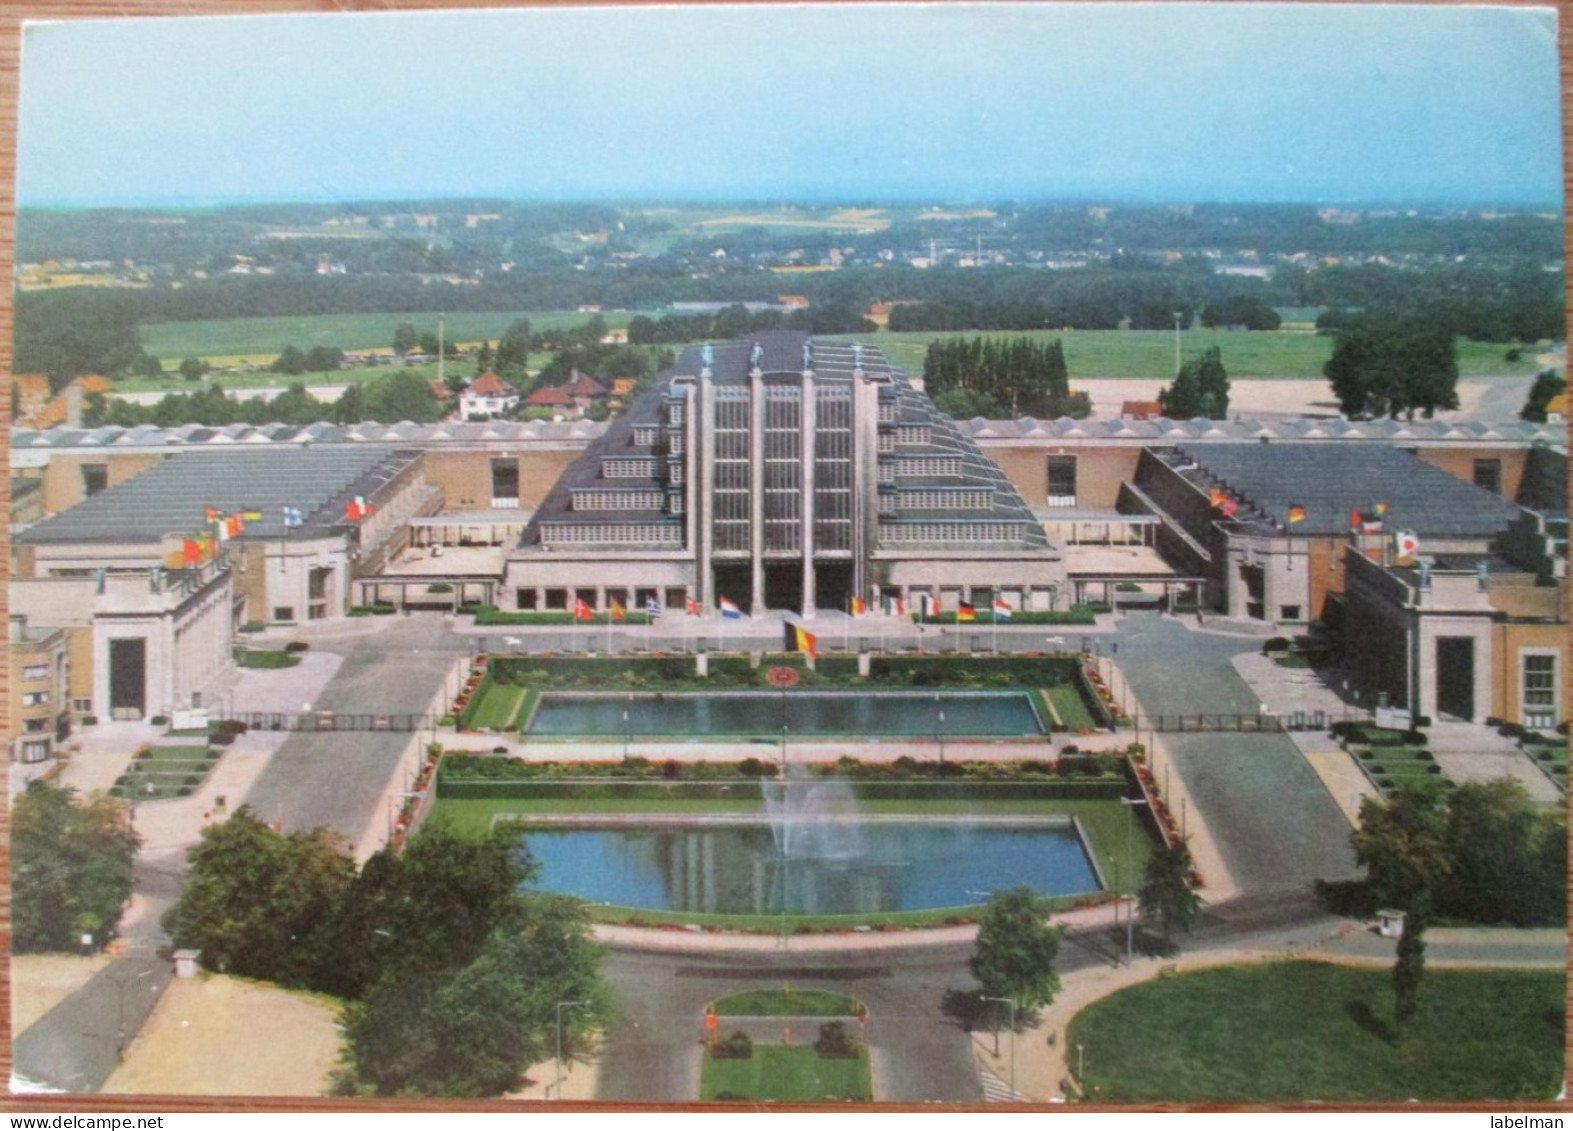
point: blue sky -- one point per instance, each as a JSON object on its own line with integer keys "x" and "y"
{"x": 934, "y": 102}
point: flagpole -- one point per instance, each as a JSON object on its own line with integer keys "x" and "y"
{"x": 994, "y": 615}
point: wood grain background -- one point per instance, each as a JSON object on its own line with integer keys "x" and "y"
{"x": 12, "y": 15}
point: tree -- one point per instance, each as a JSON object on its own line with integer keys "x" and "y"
{"x": 193, "y": 369}
{"x": 1393, "y": 364}
{"x": 324, "y": 359}
{"x": 1547, "y": 385}
{"x": 291, "y": 361}
{"x": 71, "y": 867}
{"x": 964, "y": 404}
{"x": 475, "y": 1034}
{"x": 258, "y": 903}
{"x": 405, "y": 338}
{"x": 513, "y": 349}
{"x": 1201, "y": 388}
{"x": 1493, "y": 846}
{"x": 1402, "y": 844}
{"x": 1245, "y": 311}
{"x": 403, "y": 396}
{"x": 1016, "y": 948}
{"x": 1166, "y": 890}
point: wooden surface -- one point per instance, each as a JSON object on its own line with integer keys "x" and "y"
{"x": 11, "y": 17}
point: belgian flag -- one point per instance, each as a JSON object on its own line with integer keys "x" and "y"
{"x": 799, "y": 639}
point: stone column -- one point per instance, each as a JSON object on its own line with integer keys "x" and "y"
{"x": 809, "y": 419}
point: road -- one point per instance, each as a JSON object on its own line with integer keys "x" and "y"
{"x": 337, "y": 780}
{"x": 1274, "y": 822}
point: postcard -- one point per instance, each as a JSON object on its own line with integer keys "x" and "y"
{"x": 996, "y": 554}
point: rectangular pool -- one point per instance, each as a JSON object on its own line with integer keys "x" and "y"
{"x": 763, "y": 714}
{"x": 834, "y": 866}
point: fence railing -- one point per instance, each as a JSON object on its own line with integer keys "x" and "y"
{"x": 1264, "y": 723}
{"x": 332, "y": 721}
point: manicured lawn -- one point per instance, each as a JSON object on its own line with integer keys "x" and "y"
{"x": 1071, "y": 708}
{"x": 1314, "y": 1031}
{"x": 494, "y": 706}
{"x": 1150, "y": 353}
{"x": 167, "y": 770}
{"x": 262, "y": 658}
{"x": 785, "y": 1003}
{"x": 784, "y": 1073}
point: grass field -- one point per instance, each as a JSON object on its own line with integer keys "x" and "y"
{"x": 1313, "y": 1031}
{"x": 263, "y": 338}
{"x": 1150, "y": 353}
{"x": 164, "y": 772}
{"x": 786, "y": 1073}
{"x": 494, "y": 706}
{"x": 1071, "y": 709}
{"x": 785, "y": 1003}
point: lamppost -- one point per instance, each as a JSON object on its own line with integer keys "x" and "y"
{"x": 1130, "y": 804}
{"x": 783, "y": 755}
{"x": 625, "y": 734}
{"x": 939, "y": 728}
{"x": 560, "y": 1007}
{"x": 1012, "y": 1003}
{"x": 1177, "y": 316}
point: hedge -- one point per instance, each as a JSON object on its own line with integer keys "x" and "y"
{"x": 677, "y": 672}
{"x": 491, "y": 615}
{"x": 1103, "y": 789}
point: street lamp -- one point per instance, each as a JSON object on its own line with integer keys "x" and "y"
{"x": 1130, "y": 804}
{"x": 625, "y": 734}
{"x": 560, "y": 1007}
{"x": 939, "y": 728}
{"x": 1012, "y": 1003}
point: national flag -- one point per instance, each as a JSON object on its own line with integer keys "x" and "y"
{"x": 652, "y": 607}
{"x": 357, "y": 508}
{"x": 618, "y": 612}
{"x": 251, "y": 516}
{"x": 1216, "y": 497}
{"x": 1371, "y": 526}
{"x": 799, "y": 639}
{"x": 190, "y": 552}
{"x": 965, "y": 611}
{"x": 894, "y": 606}
{"x": 927, "y": 605}
{"x": 858, "y": 607}
{"x": 235, "y": 525}
{"x": 729, "y": 610}
{"x": 222, "y": 530}
{"x": 1296, "y": 513}
{"x": 210, "y": 514}
{"x": 1002, "y": 609}
{"x": 1406, "y": 544}
{"x": 581, "y": 609}
{"x": 292, "y": 517}
{"x": 1379, "y": 509}
{"x": 691, "y": 606}
{"x": 1229, "y": 507}
{"x": 209, "y": 546}
{"x": 1354, "y": 518}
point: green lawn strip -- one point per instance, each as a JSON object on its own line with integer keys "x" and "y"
{"x": 785, "y": 1003}
{"x": 786, "y": 1073}
{"x": 1071, "y": 708}
{"x": 494, "y": 706}
{"x": 1307, "y": 1030}
{"x": 262, "y": 658}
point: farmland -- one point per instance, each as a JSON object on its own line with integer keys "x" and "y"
{"x": 1150, "y": 353}
{"x": 226, "y": 341}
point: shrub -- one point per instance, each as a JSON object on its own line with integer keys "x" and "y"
{"x": 223, "y": 738}
{"x": 231, "y": 726}
{"x": 439, "y": 587}
{"x": 671, "y": 770}
{"x": 1276, "y": 644}
{"x": 159, "y": 720}
{"x": 184, "y": 791}
{"x": 736, "y": 1047}
{"x": 297, "y": 646}
{"x": 835, "y": 1043}
{"x": 253, "y": 626}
